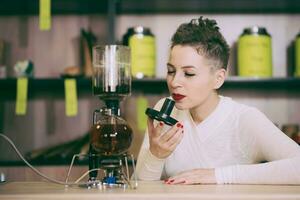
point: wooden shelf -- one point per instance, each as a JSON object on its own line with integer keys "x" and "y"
{"x": 54, "y": 87}
{"x": 78, "y": 7}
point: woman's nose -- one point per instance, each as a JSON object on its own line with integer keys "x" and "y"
{"x": 175, "y": 81}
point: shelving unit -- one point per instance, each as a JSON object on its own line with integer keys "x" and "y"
{"x": 111, "y": 8}
{"x": 55, "y": 86}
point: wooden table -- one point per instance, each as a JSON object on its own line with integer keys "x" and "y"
{"x": 147, "y": 190}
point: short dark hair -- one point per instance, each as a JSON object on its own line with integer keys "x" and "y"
{"x": 204, "y": 35}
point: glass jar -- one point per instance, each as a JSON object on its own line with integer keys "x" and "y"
{"x": 255, "y": 53}
{"x": 143, "y": 51}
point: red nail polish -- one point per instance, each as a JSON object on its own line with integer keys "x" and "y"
{"x": 178, "y": 125}
{"x": 171, "y": 181}
{"x": 161, "y": 124}
{"x": 181, "y": 126}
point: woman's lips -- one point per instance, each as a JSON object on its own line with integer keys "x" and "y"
{"x": 177, "y": 97}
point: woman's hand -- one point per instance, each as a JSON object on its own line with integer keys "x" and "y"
{"x": 195, "y": 176}
{"x": 162, "y": 145}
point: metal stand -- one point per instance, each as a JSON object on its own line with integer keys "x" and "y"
{"x": 114, "y": 174}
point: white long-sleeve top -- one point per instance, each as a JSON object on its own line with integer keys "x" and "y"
{"x": 234, "y": 139}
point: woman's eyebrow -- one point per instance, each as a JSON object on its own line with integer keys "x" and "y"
{"x": 187, "y": 66}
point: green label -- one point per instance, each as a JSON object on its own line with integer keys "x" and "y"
{"x": 297, "y": 57}
{"x": 21, "y": 101}
{"x": 142, "y": 55}
{"x": 45, "y": 15}
{"x": 255, "y": 56}
{"x": 71, "y": 97}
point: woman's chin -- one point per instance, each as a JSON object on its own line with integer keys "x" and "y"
{"x": 180, "y": 106}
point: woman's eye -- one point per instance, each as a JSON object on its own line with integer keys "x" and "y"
{"x": 189, "y": 74}
{"x": 171, "y": 72}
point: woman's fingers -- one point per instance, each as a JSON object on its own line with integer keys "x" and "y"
{"x": 163, "y": 144}
{"x": 174, "y": 141}
{"x": 168, "y": 135}
{"x": 158, "y": 129}
{"x": 194, "y": 176}
{"x": 150, "y": 126}
{"x": 176, "y": 181}
{"x": 154, "y": 131}
{"x": 182, "y": 178}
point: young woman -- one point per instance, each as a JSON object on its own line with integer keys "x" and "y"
{"x": 217, "y": 140}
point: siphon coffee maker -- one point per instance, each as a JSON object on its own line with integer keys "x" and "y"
{"x": 110, "y": 135}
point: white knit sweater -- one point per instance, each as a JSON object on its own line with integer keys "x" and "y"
{"x": 234, "y": 139}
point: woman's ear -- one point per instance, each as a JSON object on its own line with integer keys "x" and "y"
{"x": 220, "y": 76}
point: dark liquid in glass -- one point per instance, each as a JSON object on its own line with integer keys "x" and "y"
{"x": 111, "y": 139}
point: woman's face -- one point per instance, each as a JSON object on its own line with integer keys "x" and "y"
{"x": 191, "y": 81}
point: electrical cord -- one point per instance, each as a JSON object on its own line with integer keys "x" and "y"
{"x": 37, "y": 171}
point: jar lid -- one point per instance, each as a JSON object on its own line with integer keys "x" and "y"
{"x": 255, "y": 30}
{"x": 139, "y": 30}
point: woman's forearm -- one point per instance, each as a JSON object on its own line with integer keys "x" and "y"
{"x": 148, "y": 166}
{"x": 286, "y": 171}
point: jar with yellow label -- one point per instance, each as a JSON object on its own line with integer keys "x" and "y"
{"x": 143, "y": 51}
{"x": 297, "y": 56}
{"x": 255, "y": 53}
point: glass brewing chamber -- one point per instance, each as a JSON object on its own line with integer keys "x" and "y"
{"x": 111, "y": 76}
